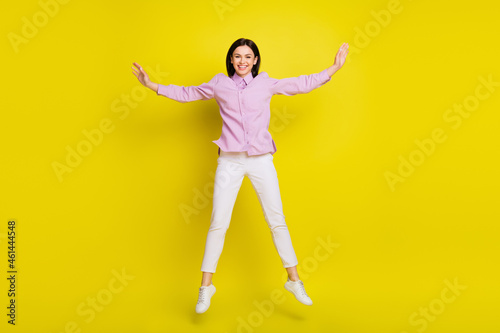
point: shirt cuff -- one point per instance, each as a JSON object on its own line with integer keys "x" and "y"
{"x": 324, "y": 76}
{"x": 161, "y": 89}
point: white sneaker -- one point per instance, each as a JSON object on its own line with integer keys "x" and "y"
{"x": 206, "y": 292}
{"x": 298, "y": 290}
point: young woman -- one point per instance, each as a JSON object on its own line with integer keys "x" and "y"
{"x": 246, "y": 148}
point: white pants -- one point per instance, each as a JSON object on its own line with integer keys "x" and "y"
{"x": 231, "y": 169}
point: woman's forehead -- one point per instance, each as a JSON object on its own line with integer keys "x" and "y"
{"x": 243, "y": 50}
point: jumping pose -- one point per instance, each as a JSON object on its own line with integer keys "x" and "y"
{"x": 246, "y": 148}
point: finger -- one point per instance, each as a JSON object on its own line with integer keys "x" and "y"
{"x": 138, "y": 66}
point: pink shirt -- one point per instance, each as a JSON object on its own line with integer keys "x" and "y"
{"x": 244, "y": 105}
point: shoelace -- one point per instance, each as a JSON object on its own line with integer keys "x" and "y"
{"x": 201, "y": 297}
{"x": 302, "y": 290}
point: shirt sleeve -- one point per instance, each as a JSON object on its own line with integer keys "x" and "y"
{"x": 299, "y": 85}
{"x": 183, "y": 94}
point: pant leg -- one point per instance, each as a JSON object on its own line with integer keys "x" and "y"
{"x": 228, "y": 179}
{"x": 264, "y": 178}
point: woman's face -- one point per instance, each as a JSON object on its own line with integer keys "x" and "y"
{"x": 243, "y": 60}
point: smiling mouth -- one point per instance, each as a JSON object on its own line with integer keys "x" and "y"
{"x": 242, "y": 67}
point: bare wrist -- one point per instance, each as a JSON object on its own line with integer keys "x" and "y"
{"x": 153, "y": 86}
{"x": 332, "y": 70}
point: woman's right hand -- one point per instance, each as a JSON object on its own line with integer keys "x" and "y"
{"x": 141, "y": 75}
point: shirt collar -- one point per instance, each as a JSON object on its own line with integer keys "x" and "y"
{"x": 237, "y": 79}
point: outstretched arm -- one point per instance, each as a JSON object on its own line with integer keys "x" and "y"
{"x": 305, "y": 83}
{"x": 181, "y": 94}
{"x": 339, "y": 59}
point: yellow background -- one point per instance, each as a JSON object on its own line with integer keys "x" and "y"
{"x": 120, "y": 208}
